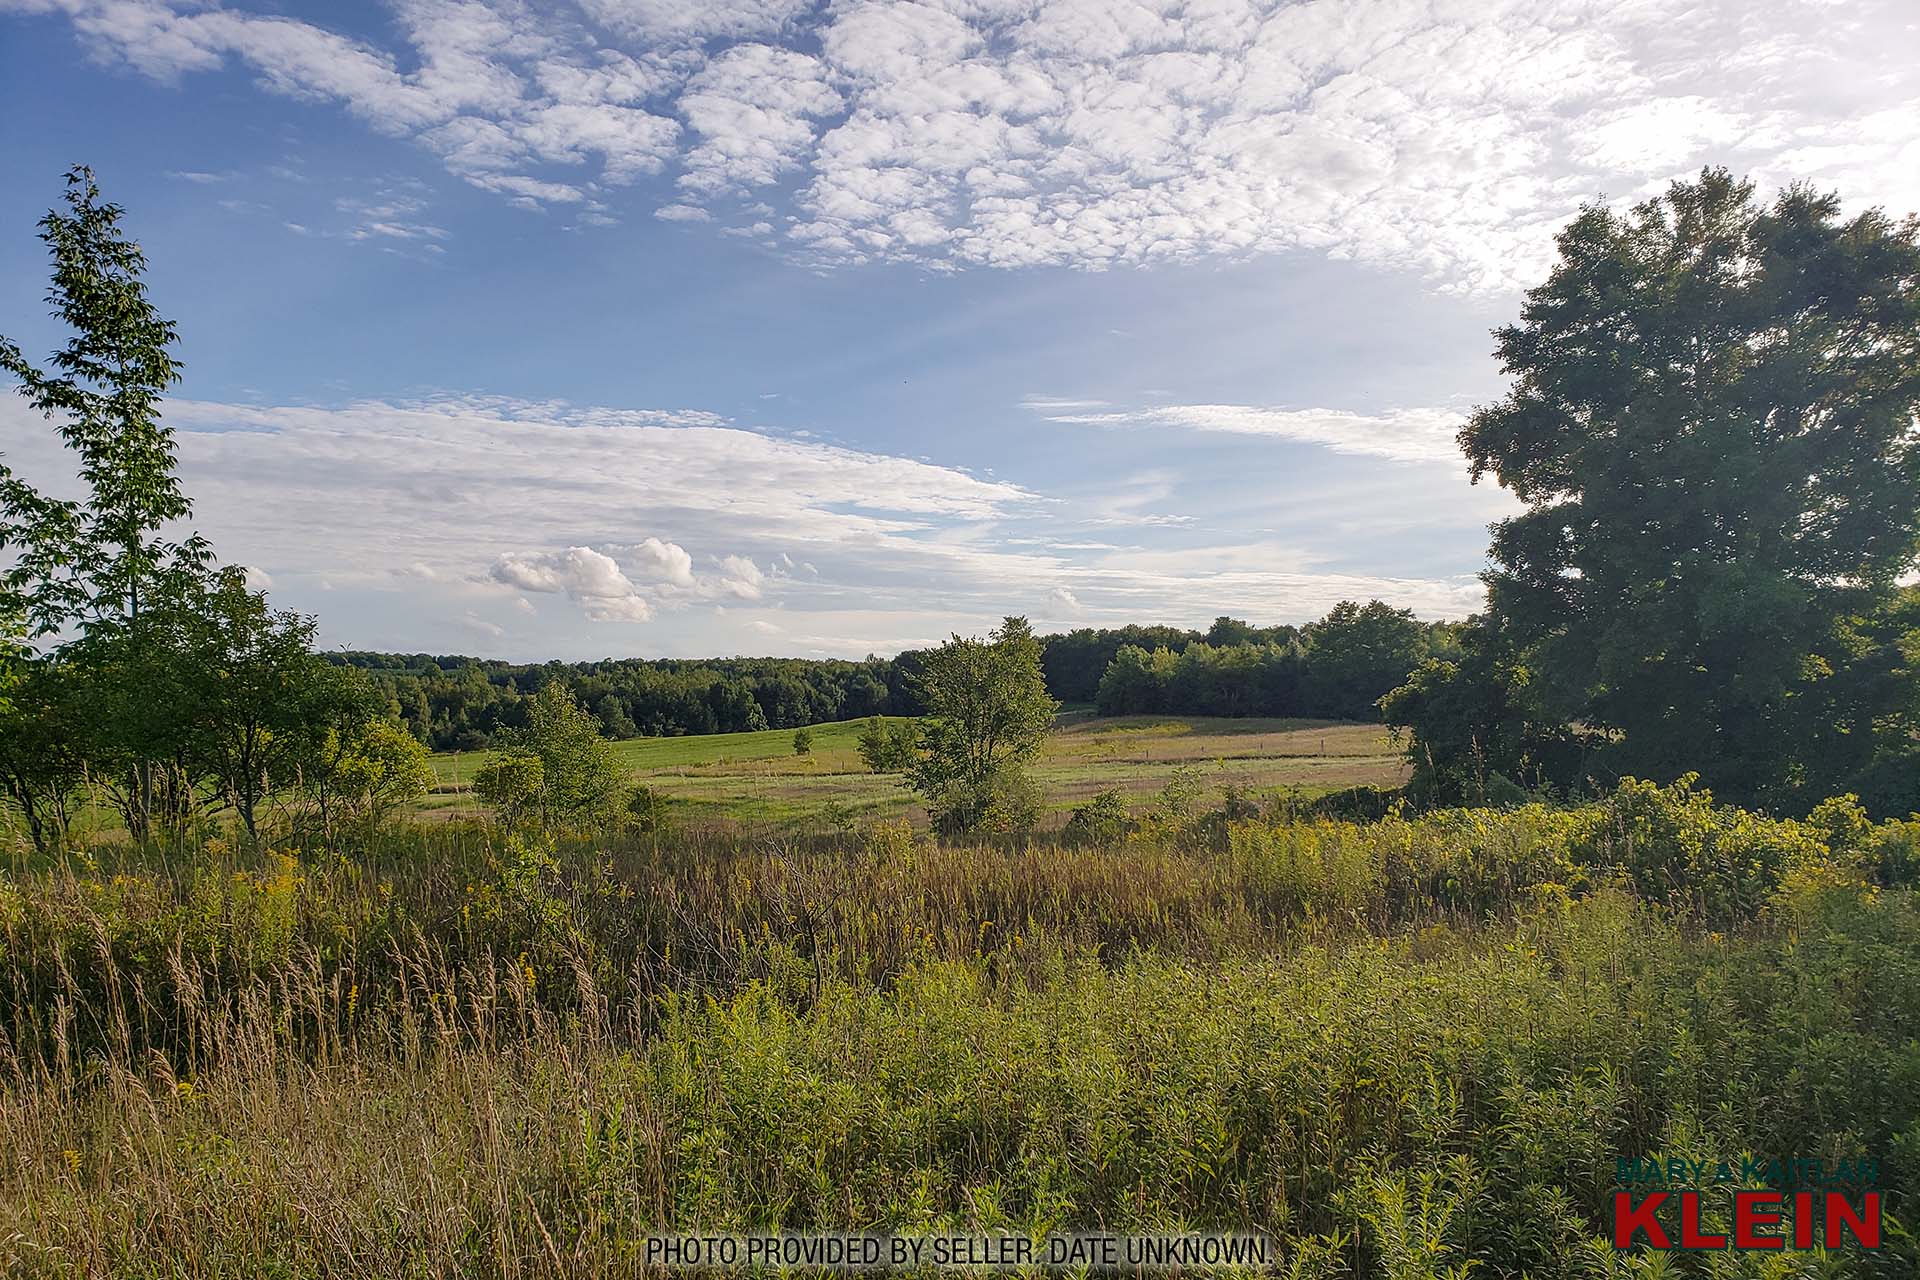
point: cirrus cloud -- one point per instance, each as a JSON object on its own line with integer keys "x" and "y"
{"x": 1404, "y": 435}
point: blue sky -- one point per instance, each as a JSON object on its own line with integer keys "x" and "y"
{"x": 643, "y": 327}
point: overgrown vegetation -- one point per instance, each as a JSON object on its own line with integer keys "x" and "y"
{"x": 462, "y": 1051}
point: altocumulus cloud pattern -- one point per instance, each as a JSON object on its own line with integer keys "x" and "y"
{"x": 1088, "y": 133}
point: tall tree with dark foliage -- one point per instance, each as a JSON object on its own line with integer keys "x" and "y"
{"x": 1713, "y": 425}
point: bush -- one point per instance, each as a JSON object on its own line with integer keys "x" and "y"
{"x": 803, "y": 742}
{"x": 1178, "y": 815}
{"x": 557, "y": 769}
{"x": 512, "y": 782}
{"x": 1103, "y": 821}
{"x": 1355, "y": 804}
{"x": 1008, "y": 804}
{"x": 888, "y": 748}
{"x": 648, "y": 811}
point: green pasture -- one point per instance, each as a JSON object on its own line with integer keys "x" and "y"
{"x": 755, "y": 779}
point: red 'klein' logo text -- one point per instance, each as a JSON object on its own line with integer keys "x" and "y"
{"x": 1761, "y": 1220}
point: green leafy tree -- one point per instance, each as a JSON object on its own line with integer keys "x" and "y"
{"x": 1469, "y": 731}
{"x": 104, "y": 559}
{"x": 888, "y": 748}
{"x": 1137, "y": 682}
{"x": 734, "y": 707}
{"x": 803, "y": 742}
{"x": 903, "y": 744}
{"x": 382, "y": 768}
{"x": 579, "y": 779}
{"x": 357, "y": 764}
{"x": 1713, "y": 425}
{"x": 1356, "y": 654}
{"x": 103, "y": 565}
{"x": 42, "y": 762}
{"x": 1228, "y": 632}
{"x": 873, "y": 746}
{"x": 132, "y": 699}
{"x": 254, "y": 685}
{"x": 988, "y": 713}
{"x": 513, "y": 781}
{"x": 613, "y": 717}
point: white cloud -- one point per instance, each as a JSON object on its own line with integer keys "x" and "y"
{"x": 1049, "y": 404}
{"x": 753, "y": 108}
{"x": 688, "y": 21}
{"x": 666, "y": 561}
{"x": 1447, "y": 137}
{"x": 480, "y": 626}
{"x": 739, "y": 578}
{"x": 591, "y": 579}
{"x": 1405, "y": 435}
{"x": 393, "y": 521}
{"x": 1656, "y": 135}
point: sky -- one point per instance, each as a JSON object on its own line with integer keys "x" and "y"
{"x": 640, "y": 328}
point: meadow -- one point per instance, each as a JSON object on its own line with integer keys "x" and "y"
{"x": 754, "y": 783}
{"x": 264, "y": 1011}
{"x": 1408, "y": 1048}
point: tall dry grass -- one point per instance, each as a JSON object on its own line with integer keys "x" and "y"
{"x": 1400, "y": 1047}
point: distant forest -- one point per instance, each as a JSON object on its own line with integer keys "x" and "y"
{"x": 1335, "y": 668}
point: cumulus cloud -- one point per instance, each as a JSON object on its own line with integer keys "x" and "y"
{"x": 667, "y": 561}
{"x": 739, "y": 578}
{"x": 1449, "y": 137}
{"x": 591, "y": 579}
{"x": 1404, "y": 435}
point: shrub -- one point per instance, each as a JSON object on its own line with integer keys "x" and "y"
{"x": 648, "y": 811}
{"x": 888, "y": 748}
{"x": 382, "y": 768}
{"x": 1008, "y": 803}
{"x": 578, "y": 779}
{"x": 1355, "y": 804}
{"x": 511, "y": 782}
{"x": 1103, "y": 821}
{"x": 803, "y": 742}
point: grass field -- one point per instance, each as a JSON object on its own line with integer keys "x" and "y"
{"x": 755, "y": 779}
{"x": 1408, "y": 1050}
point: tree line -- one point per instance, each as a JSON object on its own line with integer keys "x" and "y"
{"x": 1336, "y": 668}
{"x": 464, "y": 704}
